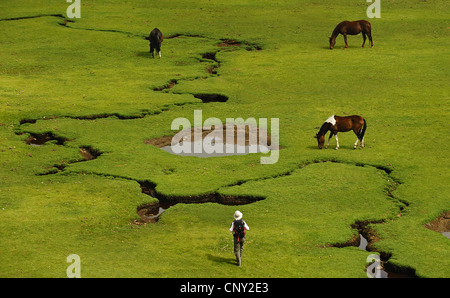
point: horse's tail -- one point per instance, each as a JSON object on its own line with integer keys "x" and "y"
{"x": 363, "y": 131}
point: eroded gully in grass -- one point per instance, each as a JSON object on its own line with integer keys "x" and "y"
{"x": 367, "y": 237}
{"x": 150, "y": 213}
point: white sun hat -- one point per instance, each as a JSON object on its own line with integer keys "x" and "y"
{"x": 237, "y": 215}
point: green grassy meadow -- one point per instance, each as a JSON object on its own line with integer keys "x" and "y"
{"x": 91, "y": 81}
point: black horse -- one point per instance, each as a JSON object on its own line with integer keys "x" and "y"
{"x": 352, "y": 28}
{"x": 155, "y": 38}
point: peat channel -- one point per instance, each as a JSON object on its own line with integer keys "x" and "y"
{"x": 149, "y": 213}
{"x": 40, "y": 139}
{"x": 211, "y": 69}
{"x": 204, "y": 97}
{"x": 87, "y": 152}
{"x": 365, "y": 240}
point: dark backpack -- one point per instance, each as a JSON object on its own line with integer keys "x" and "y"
{"x": 239, "y": 229}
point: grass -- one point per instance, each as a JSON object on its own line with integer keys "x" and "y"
{"x": 55, "y": 76}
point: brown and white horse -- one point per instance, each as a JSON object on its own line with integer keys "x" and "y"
{"x": 336, "y": 124}
{"x": 352, "y": 28}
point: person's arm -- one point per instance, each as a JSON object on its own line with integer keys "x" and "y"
{"x": 232, "y": 227}
{"x": 246, "y": 226}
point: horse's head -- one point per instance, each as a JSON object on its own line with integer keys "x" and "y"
{"x": 320, "y": 140}
{"x": 332, "y": 42}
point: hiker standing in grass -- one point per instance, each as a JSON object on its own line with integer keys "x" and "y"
{"x": 238, "y": 226}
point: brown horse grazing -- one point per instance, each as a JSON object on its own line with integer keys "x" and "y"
{"x": 352, "y": 28}
{"x": 336, "y": 124}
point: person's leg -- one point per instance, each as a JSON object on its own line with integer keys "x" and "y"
{"x": 237, "y": 251}
{"x": 241, "y": 248}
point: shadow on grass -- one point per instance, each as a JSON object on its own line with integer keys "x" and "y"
{"x": 218, "y": 259}
{"x": 144, "y": 54}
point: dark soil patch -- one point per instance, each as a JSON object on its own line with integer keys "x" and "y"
{"x": 40, "y": 139}
{"x": 32, "y": 121}
{"x": 149, "y": 213}
{"x": 102, "y": 116}
{"x": 235, "y": 43}
{"x": 166, "y": 86}
{"x": 189, "y": 134}
{"x": 176, "y": 35}
{"x": 89, "y": 153}
{"x": 210, "y": 56}
{"x": 86, "y": 152}
{"x": 160, "y": 142}
{"x": 64, "y": 22}
{"x": 32, "y": 17}
{"x": 363, "y": 230}
{"x": 208, "y": 97}
{"x": 212, "y": 69}
{"x": 253, "y": 47}
{"x": 441, "y": 224}
{"x": 229, "y": 43}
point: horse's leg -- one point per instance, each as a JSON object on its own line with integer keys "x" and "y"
{"x": 364, "y": 39}
{"x": 337, "y": 141}
{"x": 152, "y": 51}
{"x": 370, "y": 38}
{"x": 357, "y": 131}
{"x": 329, "y": 138}
{"x": 345, "y": 39}
{"x": 358, "y": 134}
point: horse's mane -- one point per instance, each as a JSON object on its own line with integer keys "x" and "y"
{"x": 336, "y": 31}
{"x": 324, "y": 129}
